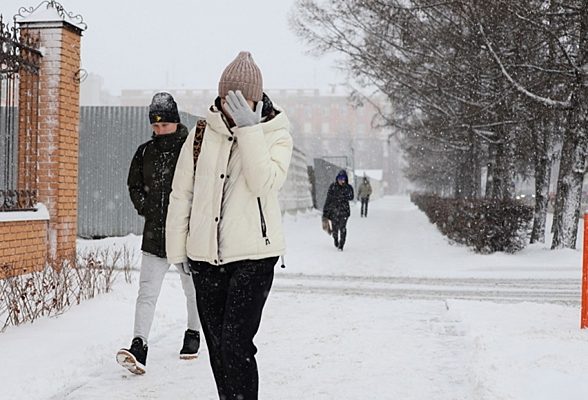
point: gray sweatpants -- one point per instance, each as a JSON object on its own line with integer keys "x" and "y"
{"x": 153, "y": 270}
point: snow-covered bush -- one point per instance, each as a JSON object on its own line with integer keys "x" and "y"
{"x": 486, "y": 225}
{"x": 55, "y": 288}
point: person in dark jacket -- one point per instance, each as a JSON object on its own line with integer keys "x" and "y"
{"x": 337, "y": 209}
{"x": 149, "y": 182}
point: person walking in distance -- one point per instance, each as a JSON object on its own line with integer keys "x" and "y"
{"x": 336, "y": 208}
{"x": 363, "y": 194}
{"x": 149, "y": 182}
{"x": 225, "y": 220}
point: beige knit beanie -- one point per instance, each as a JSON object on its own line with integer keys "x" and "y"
{"x": 244, "y": 75}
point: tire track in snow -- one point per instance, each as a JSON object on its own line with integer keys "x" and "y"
{"x": 557, "y": 291}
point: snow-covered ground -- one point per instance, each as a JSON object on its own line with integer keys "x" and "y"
{"x": 400, "y": 314}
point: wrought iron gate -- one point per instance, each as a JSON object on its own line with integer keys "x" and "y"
{"x": 19, "y": 109}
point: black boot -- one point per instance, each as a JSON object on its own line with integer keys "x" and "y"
{"x": 342, "y": 240}
{"x": 335, "y": 240}
{"x": 191, "y": 345}
{"x": 135, "y": 358}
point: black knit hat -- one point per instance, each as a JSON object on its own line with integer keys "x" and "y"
{"x": 163, "y": 108}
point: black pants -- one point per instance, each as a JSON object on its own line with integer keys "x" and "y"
{"x": 230, "y": 301}
{"x": 339, "y": 231}
{"x": 364, "y": 206}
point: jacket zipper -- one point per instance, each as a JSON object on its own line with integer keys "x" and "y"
{"x": 263, "y": 226}
{"x": 162, "y": 203}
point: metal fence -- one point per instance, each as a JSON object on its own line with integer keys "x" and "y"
{"x": 20, "y": 61}
{"x": 8, "y": 141}
{"x": 296, "y": 194}
{"x": 109, "y": 137}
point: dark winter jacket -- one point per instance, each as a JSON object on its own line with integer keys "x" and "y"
{"x": 150, "y": 180}
{"x": 338, "y": 198}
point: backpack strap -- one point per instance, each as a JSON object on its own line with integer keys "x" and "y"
{"x": 198, "y": 138}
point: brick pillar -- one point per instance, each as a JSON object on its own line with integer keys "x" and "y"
{"x": 59, "y": 107}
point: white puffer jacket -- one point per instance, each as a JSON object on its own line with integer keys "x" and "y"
{"x": 228, "y": 210}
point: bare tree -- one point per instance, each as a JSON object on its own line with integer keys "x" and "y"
{"x": 472, "y": 83}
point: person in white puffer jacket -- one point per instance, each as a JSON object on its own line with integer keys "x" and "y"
{"x": 224, "y": 220}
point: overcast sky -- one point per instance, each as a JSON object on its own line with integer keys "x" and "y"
{"x": 169, "y": 44}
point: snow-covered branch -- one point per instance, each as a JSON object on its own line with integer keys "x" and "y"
{"x": 543, "y": 100}
{"x": 555, "y": 38}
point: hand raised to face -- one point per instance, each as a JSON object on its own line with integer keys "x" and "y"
{"x": 240, "y": 111}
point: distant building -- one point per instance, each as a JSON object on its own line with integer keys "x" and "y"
{"x": 323, "y": 124}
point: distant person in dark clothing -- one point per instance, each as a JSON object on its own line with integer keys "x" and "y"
{"x": 363, "y": 194}
{"x": 337, "y": 209}
{"x": 150, "y": 184}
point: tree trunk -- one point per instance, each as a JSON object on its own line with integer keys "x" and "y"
{"x": 503, "y": 170}
{"x": 573, "y": 154}
{"x": 468, "y": 176}
{"x": 458, "y": 183}
{"x": 491, "y": 171}
{"x": 571, "y": 176}
{"x": 543, "y": 165}
{"x": 475, "y": 169}
{"x": 497, "y": 173}
{"x": 509, "y": 168}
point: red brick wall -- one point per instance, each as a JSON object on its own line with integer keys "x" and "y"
{"x": 26, "y": 245}
{"x": 69, "y": 117}
{"x": 58, "y": 135}
{"x": 23, "y": 246}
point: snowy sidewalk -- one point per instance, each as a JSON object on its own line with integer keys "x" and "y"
{"x": 328, "y": 331}
{"x": 396, "y": 239}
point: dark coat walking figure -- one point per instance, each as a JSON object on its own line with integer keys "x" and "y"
{"x": 150, "y": 184}
{"x": 363, "y": 194}
{"x": 337, "y": 209}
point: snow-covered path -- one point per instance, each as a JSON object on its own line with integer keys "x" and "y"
{"x": 391, "y": 317}
{"x": 397, "y": 240}
{"x": 311, "y": 346}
